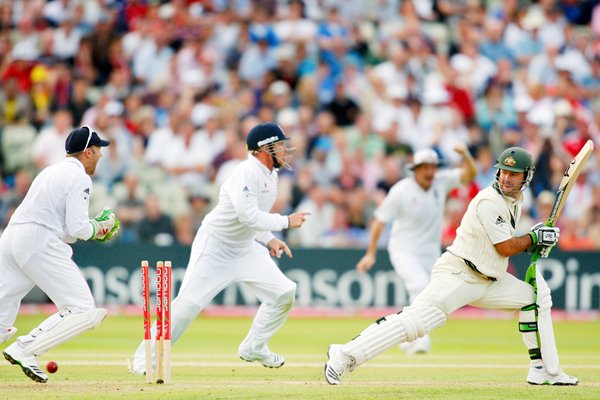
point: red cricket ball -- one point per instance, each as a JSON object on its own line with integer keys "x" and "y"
{"x": 51, "y": 367}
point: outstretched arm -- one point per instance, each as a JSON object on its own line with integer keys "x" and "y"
{"x": 469, "y": 168}
{"x": 368, "y": 260}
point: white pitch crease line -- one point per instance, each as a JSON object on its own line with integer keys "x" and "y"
{"x": 311, "y": 365}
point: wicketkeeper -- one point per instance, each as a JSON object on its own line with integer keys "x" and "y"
{"x": 34, "y": 251}
{"x": 473, "y": 271}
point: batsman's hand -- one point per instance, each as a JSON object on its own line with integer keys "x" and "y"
{"x": 543, "y": 235}
{"x": 297, "y": 219}
{"x": 105, "y": 224}
{"x": 276, "y": 247}
{"x": 365, "y": 263}
{"x": 545, "y": 251}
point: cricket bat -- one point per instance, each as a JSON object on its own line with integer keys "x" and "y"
{"x": 545, "y": 329}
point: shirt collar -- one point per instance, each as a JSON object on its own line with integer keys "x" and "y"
{"x": 262, "y": 166}
{"x": 75, "y": 161}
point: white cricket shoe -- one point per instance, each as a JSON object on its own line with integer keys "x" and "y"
{"x": 539, "y": 376}
{"x": 135, "y": 369}
{"x": 417, "y": 346}
{"x": 15, "y": 354}
{"x": 337, "y": 364}
{"x": 269, "y": 360}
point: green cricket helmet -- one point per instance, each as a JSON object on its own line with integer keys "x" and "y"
{"x": 516, "y": 159}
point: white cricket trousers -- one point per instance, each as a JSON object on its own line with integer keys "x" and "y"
{"x": 414, "y": 270}
{"x": 31, "y": 255}
{"x": 212, "y": 267}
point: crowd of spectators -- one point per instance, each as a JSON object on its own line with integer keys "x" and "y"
{"x": 359, "y": 86}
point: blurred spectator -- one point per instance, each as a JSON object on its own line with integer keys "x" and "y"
{"x": 10, "y": 200}
{"x": 359, "y": 85}
{"x": 49, "y": 145}
{"x": 186, "y": 158}
{"x": 129, "y": 207}
{"x": 156, "y": 227}
{"x": 343, "y": 108}
{"x": 14, "y": 103}
{"x": 78, "y": 101}
{"x": 16, "y": 142}
{"x": 591, "y": 220}
{"x": 200, "y": 203}
{"x": 322, "y": 212}
{"x": 66, "y": 40}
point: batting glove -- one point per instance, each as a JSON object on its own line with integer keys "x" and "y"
{"x": 545, "y": 251}
{"x": 546, "y": 236}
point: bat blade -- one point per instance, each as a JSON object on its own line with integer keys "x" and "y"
{"x": 568, "y": 181}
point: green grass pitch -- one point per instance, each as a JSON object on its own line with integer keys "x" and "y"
{"x": 471, "y": 358}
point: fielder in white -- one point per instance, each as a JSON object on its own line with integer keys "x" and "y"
{"x": 415, "y": 206}
{"x": 472, "y": 271}
{"x": 34, "y": 251}
{"x": 230, "y": 247}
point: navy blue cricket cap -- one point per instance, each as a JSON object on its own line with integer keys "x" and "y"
{"x": 82, "y": 138}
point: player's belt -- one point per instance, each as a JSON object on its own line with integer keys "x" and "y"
{"x": 474, "y": 268}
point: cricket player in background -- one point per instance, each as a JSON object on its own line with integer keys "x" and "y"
{"x": 34, "y": 251}
{"x": 472, "y": 271}
{"x": 415, "y": 204}
{"x": 229, "y": 247}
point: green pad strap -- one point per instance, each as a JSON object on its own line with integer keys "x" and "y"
{"x": 529, "y": 307}
{"x": 528, "y": 326}
{"x": 535, "y": 354}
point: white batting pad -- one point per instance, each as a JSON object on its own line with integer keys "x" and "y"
{"x": 410, "y": 324}
{"x": 69, "y": 326}
{"x": 545, "y": 328}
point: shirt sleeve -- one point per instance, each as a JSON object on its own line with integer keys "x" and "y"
{"x": 494, "y": 223}
{"x": 77, "y": 218}
{"x": 245, "y": 202}
{"x": 264, "y": 237}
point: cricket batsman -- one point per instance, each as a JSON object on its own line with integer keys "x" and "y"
{"x": 473, "y": 271}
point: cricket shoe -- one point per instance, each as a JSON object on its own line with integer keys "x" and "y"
{"x": 337, "y": 364}
{"x": 271, "y": 360}
{"x": 539, "y": 376}
{"x": 417, "y": 346}
{"x": 135, "y": 369}
{"x": 15, "y": 354}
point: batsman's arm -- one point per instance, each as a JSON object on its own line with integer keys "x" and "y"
{"x": 514, "y": 245}
{"x": 368, "y": 260}
{"x": 541, "y": 236}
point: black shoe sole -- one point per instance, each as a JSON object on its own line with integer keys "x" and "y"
{"x": 26, "y": 370}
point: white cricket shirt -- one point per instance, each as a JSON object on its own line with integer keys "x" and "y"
{"x": 59, "y": 199}
{"x": 245, "y": 199}
{"x": 417, "y": 214}
{"x": 490, "y": 218}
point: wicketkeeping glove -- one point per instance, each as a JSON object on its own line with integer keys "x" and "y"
{"x": 105, "y": 224}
